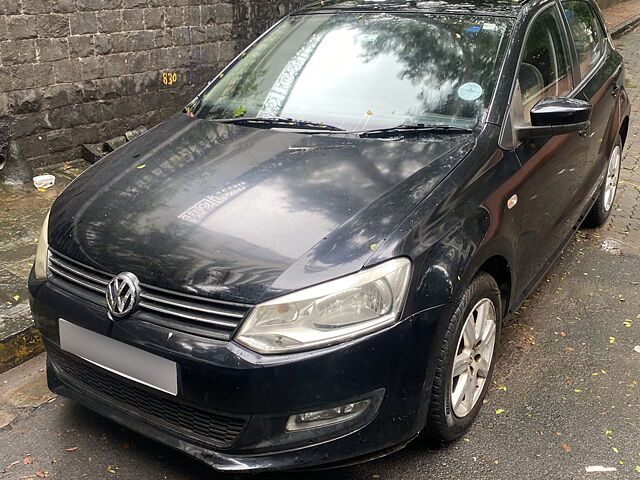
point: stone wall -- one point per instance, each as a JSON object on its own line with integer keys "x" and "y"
{"x": 82, "y": 71}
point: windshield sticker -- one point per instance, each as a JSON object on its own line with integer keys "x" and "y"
{"x": 470, "y": 91}
{"x": 489, "y": 26}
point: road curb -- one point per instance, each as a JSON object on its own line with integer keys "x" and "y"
{"x": 19, "y": 347}
{"x": 619, "y": 30}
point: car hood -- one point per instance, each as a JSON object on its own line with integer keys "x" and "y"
{"x": 244, "y": 214}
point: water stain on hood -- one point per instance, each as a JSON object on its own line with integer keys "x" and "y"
{"x": 223, "y": 211}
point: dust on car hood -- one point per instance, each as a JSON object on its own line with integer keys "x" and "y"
{"x": 224, "y": 211}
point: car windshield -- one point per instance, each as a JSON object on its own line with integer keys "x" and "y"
{"x": 361, "y": 71}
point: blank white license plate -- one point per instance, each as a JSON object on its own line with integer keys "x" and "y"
{"x": 117, "y": 357}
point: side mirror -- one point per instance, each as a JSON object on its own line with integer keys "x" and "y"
{"x": 556, "y": 116}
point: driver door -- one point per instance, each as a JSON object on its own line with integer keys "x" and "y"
{"x": 553, "y": 168}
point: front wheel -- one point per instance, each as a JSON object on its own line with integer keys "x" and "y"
{"x": 602, "y": 208}
{"x": 465, "y": 361}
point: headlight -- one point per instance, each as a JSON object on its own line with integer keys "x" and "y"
{"x": 328, "y": 313}
{"x": 41, "y": 264}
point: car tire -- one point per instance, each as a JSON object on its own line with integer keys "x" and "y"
{"x": 451, "y": 410}
{"x": 606, "y": 195}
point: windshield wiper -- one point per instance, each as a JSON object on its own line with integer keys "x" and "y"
{"x": 278, "y": 122}
{"x": 407, "y": 129}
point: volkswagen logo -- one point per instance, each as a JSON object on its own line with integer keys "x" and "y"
{"x": 123, "y": 293}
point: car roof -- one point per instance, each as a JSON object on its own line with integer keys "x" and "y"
{"x": 507, "y": 8}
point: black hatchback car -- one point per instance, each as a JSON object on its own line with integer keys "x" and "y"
{"x": 311, "y": 263}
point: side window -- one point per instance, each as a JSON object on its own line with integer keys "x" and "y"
{"x": 545, "y": 68}
{"x": 586, "y": 32}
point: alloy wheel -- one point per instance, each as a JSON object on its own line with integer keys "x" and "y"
{"x": 611, "y": 182}
{"x": 473, "y": 359}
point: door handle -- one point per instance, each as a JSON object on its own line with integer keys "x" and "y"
{"x": 615, "y": 89}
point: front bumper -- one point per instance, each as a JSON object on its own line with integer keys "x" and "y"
{"x": 233, "y": 404}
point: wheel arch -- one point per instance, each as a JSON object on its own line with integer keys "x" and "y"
{"x": 498, "y": 267}
{"x": 624, "y": 129}
{"x": 494, "y": 260}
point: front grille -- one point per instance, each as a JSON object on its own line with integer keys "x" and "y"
{"x": 179, "y": 311}
{"x": 208, "y": 427}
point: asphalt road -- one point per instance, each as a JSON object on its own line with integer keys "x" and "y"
{"x": 566, "y": 385}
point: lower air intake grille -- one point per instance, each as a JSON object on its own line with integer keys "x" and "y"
{"x": 211, "y": 428}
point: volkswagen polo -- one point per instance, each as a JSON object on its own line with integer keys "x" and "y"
{"x": 310, "y": 265}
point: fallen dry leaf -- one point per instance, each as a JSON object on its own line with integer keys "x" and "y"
{"x": 566, "y": 447}
{"x": 71, "y": 449}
